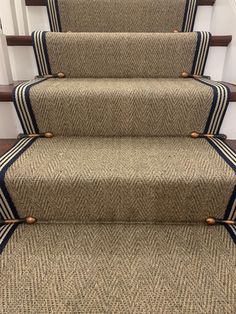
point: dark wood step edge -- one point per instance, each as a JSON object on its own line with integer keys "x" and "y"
{"x": 43, "y": 2}
{"x": 6, "y": 91}
{"x": 6, "y": 144}
{"x": 12, "y": 40}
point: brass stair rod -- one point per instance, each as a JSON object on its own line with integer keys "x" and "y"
{"x": 28, "y": 220}
{"x": 214, "y": 221}
{"x": 34, "y": 135}
{"x": 202, "y": 135}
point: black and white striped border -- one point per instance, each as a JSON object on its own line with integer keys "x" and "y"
{"x": 229, "y": 156}
{"x": 40, "y": 51}
{"x": 232, "y": 231}
{"x": 189, "y": 15}
{"x": 7, "y": 207}
{"x": 21, "y": 99}
{"x": 6, "y": 232}
{"x": 231, "y": 214}
{"x": 231, "y": 210}
{"x": 202, "y": 48}
{"x": 224, "y": 151}
{"x": 54, "y": 16}
{"x": 221, "y": 96}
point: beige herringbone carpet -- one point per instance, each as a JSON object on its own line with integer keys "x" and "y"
{"x": 123, "y": 55}
{"x": 118, "y": 15}
{"x": 121, "y": 107}
{"x": 118, "y": 269}
{"x": 139, "y": 179}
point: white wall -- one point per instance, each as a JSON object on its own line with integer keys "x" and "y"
{"x": 224, "y": 23}
{"x": 8, "y": 17}
{"x": 9, "y": 123}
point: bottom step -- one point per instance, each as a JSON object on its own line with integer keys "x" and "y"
{"x": 73, "y": 268}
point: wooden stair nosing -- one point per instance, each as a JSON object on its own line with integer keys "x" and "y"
{"x": 13, "y": 40}
{"x": 6, "y": 91}
{"x": 44, "y": 2}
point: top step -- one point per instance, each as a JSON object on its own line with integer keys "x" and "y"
{"x": 121, "y": 15}
{"x": 44, "y": 2}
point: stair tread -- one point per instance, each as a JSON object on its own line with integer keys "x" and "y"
{"x": 74, "y": 178}
{"x": 118, "y": 268}
{"x": 6, "y": 144}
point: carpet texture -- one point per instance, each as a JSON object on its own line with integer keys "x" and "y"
{"x": 122, "y": 55}
{"x": 121, "y": 15}
{"x": 120, "y": 180}
{"x": 122, "y": 107}
{"x": 118, "y": 269}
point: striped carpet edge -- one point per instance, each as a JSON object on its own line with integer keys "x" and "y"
{"x": 54, "y": 15}
{"x": 229, "y": 155}
{"x": 7, "y": 207}
{"x": 201, "y": 54}
{"x": 21, "y": 100}
{"x": 41, "y": 53}
{"x": 189, "y": 15}
{"x": 221, "y": 97}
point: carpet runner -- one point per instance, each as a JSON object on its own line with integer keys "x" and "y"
{"x": 121, "y": 15}
{"x": 121, "y": 161}
{"x": 71, "y": 268}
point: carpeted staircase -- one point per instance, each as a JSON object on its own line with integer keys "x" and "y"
{"x": 122, "y": 163}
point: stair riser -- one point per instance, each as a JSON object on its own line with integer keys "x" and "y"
{"x": 38, "y": 18}
{"x": 10, "y": 126}
{"x": 24, "y": 66}
{"x": 121, "y": 55}
{"x": 120, "y": 180}
{"x": 116, "y": 201}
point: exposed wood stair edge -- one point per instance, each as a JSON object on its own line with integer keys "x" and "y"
{"x": 13, "y": 40}
{"x": 6, "y": 91}
{"x": 43, "y": 2}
